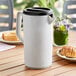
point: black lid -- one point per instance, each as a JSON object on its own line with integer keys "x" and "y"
{"x": 36, "y": 12}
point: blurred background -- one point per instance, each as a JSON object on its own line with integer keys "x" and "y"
{"x": 19, "y": 5}
{"x": 59, "y": 7}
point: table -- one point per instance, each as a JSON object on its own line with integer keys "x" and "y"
{"x": 12, "y": 63}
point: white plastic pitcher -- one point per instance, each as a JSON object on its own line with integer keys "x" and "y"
{"x": 38, "y": 36}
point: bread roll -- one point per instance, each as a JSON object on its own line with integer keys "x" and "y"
{"x": 68, "y": 51}
{"x": 10, "y": 36}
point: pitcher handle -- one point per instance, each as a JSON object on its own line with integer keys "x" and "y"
{"x": 18, "y": 26}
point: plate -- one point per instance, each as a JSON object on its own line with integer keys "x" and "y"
{"x": 9, "y": 42}
{"x": 64, "y": 57}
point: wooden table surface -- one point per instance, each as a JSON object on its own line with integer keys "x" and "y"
{"x": 12, "y": 63}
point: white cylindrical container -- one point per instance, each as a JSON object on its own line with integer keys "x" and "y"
{"x": 38, "y": 37}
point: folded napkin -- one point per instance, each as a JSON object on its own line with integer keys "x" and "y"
{"x": 4, "y": 47}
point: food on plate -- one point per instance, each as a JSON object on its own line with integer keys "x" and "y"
{"x": 10, "y": 36}
{"x": 68, "y": 51}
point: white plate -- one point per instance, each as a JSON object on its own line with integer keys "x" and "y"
{"x": 64, "y": 57}
{"x": 9, "y": 42}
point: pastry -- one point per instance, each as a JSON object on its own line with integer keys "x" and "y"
{"x": 10, "y": 36}
{"x": 68, "y": 51}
